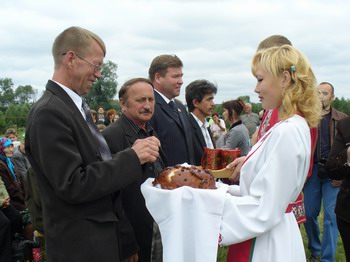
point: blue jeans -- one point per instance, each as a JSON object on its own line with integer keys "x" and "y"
{"x": 315, "y": 190}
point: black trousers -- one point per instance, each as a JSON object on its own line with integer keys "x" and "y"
{"x": 5, "y": 237}
{"x": 10, "y": 224}
{"x": 344, "y": 230}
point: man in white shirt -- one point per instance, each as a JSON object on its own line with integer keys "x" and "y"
{"x": 217, "y": 127}
{"x": 200, "y": 102}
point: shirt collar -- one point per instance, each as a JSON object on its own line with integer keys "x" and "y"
{"x": 167, "y": 100}
{"x": 148, "y": 129}
{"x": 199, "y": 122}
{"x": 74, "y": 96}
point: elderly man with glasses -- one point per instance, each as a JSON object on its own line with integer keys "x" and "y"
{"x": 75, "y": 170}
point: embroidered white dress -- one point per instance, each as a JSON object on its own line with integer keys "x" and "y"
{"x": 272, "y": 177}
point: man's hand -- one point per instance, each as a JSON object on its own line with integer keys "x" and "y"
{"x": 236, "y": 166}
{"x": 147, "y": 149}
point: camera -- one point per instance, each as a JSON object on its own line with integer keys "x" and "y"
{"x": 322, "y": 171}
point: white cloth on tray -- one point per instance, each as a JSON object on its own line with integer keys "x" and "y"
{"x": 189, "y": 220}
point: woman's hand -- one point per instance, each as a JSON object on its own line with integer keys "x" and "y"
{"x": 236, "y": 166}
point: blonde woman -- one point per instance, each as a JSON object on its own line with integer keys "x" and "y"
{"x": 257, "y": 215}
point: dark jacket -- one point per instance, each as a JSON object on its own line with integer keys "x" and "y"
{"x": 338, "y": 170}
{"x": 175, "y": 137}
{"x": 33, "y": 200}
{"x": 119, "y": 136}
{"x": 76, "y": 186}
{"x": 15, "y": 188}
{"x": 336, "y": 116}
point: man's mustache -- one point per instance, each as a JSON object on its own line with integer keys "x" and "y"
{"x": 148, "y": 111}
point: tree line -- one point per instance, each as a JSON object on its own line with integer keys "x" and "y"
{"x": 15, "y": 103}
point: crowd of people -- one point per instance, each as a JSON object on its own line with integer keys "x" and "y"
{"x": 75, "y": 177}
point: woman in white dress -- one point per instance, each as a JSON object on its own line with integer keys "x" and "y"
{"x": 257, "y": 216}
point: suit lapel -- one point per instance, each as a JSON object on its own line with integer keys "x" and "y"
{"x": 167, "y": 109}
{"x": 197, "y": 130}
{"x": 129, "y": 132}
{"x": 182, "y": 114}
{"x": 58, "y": 91}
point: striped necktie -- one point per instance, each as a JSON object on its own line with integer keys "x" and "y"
{"x": 175, "y": 111}
{"x": 102, "y": 144}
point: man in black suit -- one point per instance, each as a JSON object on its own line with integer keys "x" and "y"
{"x": 170, "y": 120}
{"x": 75, "y": 171}
{"x": 136, "y": 98}
{"x": 339, "y": 169}
{"x": 200, "y": 102}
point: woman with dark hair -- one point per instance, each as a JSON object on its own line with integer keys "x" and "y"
{"x": 238, "y": 135}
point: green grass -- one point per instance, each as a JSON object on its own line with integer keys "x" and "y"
{"x": 339, "y": 257}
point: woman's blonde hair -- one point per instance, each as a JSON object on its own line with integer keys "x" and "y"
{"x": 301, "y": 95}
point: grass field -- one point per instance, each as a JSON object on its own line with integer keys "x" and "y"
{"x": 340, "y": 256}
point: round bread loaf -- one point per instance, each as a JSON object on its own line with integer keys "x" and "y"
{"x": 178, "y": 176}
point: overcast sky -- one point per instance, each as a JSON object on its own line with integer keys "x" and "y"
{"x": 215, "y": 39}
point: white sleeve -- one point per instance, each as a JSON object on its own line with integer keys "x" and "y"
{"x": 271, "y": 178}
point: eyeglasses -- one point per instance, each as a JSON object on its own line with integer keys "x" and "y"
{"x": 97, "y": 68}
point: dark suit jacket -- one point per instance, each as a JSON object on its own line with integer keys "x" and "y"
{"x": 198, "y": 140}
{"x": 337, "y": 170}
{"x": 74, "y": 182}
{"x": 119, "y": 136}
{"x": 175, "y": 137}
{"x": 33, "y": 200}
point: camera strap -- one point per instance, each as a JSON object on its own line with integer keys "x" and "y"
{"x": 318, "y": 152}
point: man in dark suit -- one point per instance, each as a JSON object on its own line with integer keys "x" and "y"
{"x": 136, "y": 98}
{"x": 170, "y": 120}
{"x": 339, "y": 169}
{"x": 200, "y": 102}
{"x": 75, "y": 171}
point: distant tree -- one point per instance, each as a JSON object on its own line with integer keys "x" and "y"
{"x": 218, "y": 109}
{"x": 105, "y": 89}
{"x": 7, "y": 95}
{"x": 25, "y": 94}
{"x": 256, "y": 107}
{"x": 115, "y": 104}
{"x": 2, "y": 123}
{"x": 11, "y": 115}
{"x": 16, "y": 115}
{"x": 246, "y": 99}
{"x": 342, "y": 105}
